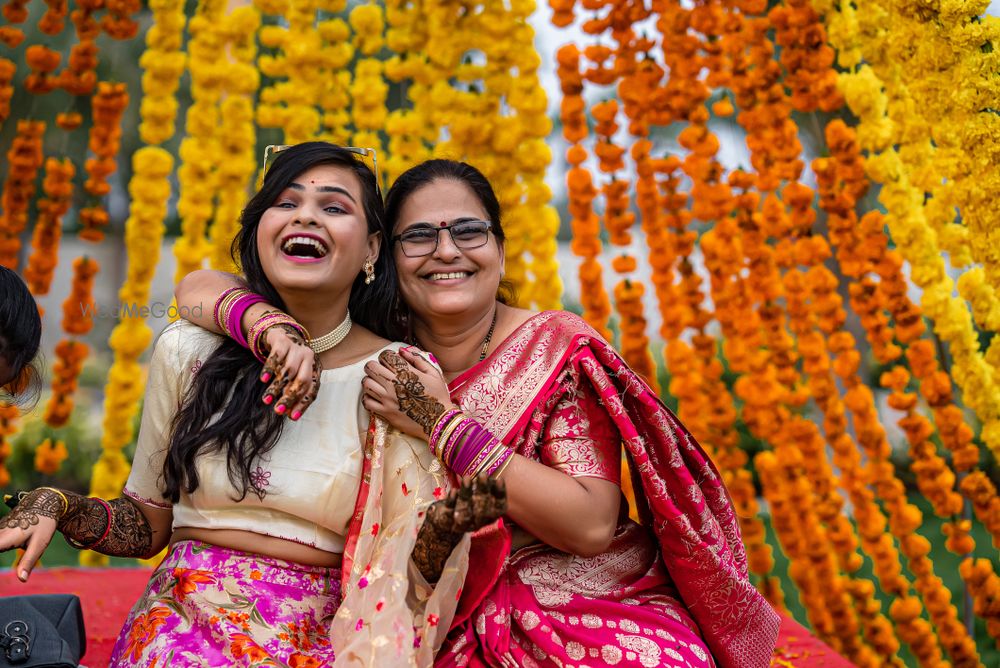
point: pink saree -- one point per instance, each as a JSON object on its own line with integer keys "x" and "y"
{"x": 674, "y": 592}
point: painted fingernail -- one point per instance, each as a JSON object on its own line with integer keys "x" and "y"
{"x": 296, "y": 415}
{"x": 268, "y": 399}
{"x": 264, "y": 377}
{"x": 23, "y": 575}
{"x": 280, "y": 410}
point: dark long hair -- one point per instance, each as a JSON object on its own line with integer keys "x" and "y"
{"x": 428, "y": 172}
{"x": 228, "y": 383}
{"x": 20, "y": 338}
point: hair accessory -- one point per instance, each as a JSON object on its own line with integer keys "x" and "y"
{"x": 330, "y": 339}
{"x": 369, "y": 271}
{"x": 274, "y": 149}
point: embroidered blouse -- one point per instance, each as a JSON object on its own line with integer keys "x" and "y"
{"x": 310, "y": 478}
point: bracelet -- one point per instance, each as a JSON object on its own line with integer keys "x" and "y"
{"x": 107, "y": 529}
{"x": 255, "y": 334}
{"x": 225, "y": 307}
{"x": 218, "y": 306}
{"x": 435, "y": 441}
{"x": 61, "y": 496}
{"x": 501, "y": 464}
{"x": 235, "y": 318}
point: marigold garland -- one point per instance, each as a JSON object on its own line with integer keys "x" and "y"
{"x": 24, "y": 159}
{"x": 58, "y": 188}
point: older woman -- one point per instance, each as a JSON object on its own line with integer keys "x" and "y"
{"x": 540, "y": 401}
{"x": 289, "y": 542}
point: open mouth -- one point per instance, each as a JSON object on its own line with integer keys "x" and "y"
{"x": 447, "y": 275}
{"x": 304, "y": 247}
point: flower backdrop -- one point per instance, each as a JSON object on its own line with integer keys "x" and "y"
{"x": 808, "y": 300}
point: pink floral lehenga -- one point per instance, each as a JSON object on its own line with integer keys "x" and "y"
{"x": 673, "y": 591}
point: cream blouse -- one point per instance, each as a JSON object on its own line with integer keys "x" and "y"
{"x": 311, "y": 476}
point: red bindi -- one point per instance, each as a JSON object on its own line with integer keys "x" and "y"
{"x": 443, "y": 223}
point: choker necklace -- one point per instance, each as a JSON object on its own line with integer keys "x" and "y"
{"x": 330, "y": 339}
{"x": 489, "y": 336}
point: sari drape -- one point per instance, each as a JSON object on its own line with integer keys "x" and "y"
{"x": 692, "y": 571}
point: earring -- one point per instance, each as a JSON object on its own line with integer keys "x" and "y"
{"x": 369, "y": 272}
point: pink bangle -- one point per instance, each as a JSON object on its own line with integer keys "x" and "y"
{"x": 236, "y": 317}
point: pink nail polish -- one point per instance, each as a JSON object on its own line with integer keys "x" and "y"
{"x": 269, "y": 400}
{"x": 265, "y": 377}
{"x": 280, "y": 410}
{"x": 296, "y": 415}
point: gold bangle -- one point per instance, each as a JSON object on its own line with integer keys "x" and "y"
{"x": 61, "y": 496}
{"x": 446, "y": 433}
{"x": 227, "y": 306}
{"x": 503, "y": 467}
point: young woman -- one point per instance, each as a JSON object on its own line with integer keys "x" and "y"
{"x": 540, "y": 401}
{"x": 20, "y": 335}
{"x": 289, "y": 542}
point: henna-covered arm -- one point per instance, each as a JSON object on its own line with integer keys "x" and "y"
{"x": 134, "y": 531}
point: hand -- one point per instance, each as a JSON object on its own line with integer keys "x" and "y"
{"x": 475, "y": 504}
{"x": 31, "y": 525}
{"x": 406, "y": 390}
{"x": 293, "y": 370}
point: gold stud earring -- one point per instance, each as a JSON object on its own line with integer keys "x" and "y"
{"x": 369, "y": 271}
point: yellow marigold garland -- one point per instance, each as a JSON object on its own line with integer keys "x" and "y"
{"x": 200, "y": 153}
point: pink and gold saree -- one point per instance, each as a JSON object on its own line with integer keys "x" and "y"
{"x": 672, "y": 592}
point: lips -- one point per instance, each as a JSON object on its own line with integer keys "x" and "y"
{"x": 304, "y": 247}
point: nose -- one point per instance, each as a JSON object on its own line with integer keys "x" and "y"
{"x": 446, "y": 250}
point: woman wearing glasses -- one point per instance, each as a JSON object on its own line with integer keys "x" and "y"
{"x": 289, "y": 542}
{"x": 541, "y": 402}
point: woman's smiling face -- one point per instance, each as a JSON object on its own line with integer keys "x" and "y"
{"x": 314, "y": 237}
{"x": 449, "y": 281}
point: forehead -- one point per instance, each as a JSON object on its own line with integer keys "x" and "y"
{"x": 441, "y": 200}
{"x": 329, "y": 175}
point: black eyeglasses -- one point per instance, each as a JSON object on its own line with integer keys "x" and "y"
{"x": 465, "y": 234}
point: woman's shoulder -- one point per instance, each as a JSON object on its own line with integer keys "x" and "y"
{"x": 565, "y": 322}
{"x": 182, "y": 339}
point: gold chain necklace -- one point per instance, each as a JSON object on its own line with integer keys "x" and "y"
{"x": 330, "y": 339}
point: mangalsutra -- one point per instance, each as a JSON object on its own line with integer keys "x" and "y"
{"x": 330, "y": 339}
{"x": 489, "y": 336}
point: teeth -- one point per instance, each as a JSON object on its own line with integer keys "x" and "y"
{"x": 453, "y": 274}
{"x": 306, "y": 241}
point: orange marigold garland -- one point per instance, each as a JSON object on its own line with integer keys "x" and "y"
{"x": 58, "y": 189}
{"x": 108, "y": 104}
{"x": 42, "y": 61}
{"x": 24, "y": 159}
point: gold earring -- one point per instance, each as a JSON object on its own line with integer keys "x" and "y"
{"x": 369, "y": 271}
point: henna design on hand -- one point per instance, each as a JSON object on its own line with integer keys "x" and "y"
{"x": 411, "y": 394}
{"x": 35, "y": 504}
{"x": 472, "y": 507}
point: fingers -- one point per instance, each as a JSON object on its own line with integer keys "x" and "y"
{"x": 37, "y": 542}
{"x": 301, "y": 380}
{"x": 463, "y": 509}
{"x": 12, "y": 538}
{"x": 417, "y": 359}
{"x": 310, "y": 395}
{"x": 275, "y": 389}
{"x": 391, "y": 360}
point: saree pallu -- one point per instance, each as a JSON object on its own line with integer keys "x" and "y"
{"x": 681, "y": 500}
{"x": 212, "y": 606}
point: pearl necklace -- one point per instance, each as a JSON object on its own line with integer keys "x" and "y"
{"x": 330, "y": 339}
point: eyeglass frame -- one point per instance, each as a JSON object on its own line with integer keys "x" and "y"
{"x": 444, "y": 225}
{"x": 272, "y": 150}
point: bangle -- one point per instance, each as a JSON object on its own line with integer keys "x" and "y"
{"x": 450, "y": 437}
{"x": 255, "y": 335}
{"x": 435, "y": 441}
{"x": 501, "y": 464}
{"x": 235, "y": 318}
{"x": 225, "y": 307}
{"x": 61, "y": 496}
{"x": 107, "y": 529}
{"x": 218, "y": 306}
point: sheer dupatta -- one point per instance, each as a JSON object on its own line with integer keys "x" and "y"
{"x": 679, "y": 492}
{"x": 390, "y": 616}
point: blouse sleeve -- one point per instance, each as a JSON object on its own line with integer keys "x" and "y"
{"x": 171, "y": 369}
{"x": 579, "y": 437}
